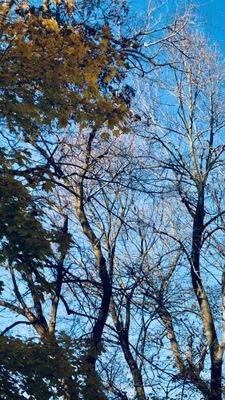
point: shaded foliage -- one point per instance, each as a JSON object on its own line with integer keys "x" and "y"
{"x": 39, "y": 371}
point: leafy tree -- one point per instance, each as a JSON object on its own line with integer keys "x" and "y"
{"x": 23, "y": 237}
{"x": 39, "y": 371}
{"x": 55, "y": 69}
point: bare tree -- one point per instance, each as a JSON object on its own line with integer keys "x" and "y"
{"x": 189, "y": 152}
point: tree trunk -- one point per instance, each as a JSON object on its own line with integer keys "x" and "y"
{"x": 123, "y": 334}
{"x": 206, "y": 313}
{"x": 135, "y": 371}
{"x": 216, "y": 380}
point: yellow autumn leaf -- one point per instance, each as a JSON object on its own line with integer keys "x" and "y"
{"x": 116, "y": 132}
{"x": 105, "y": 135}
{"x": 51, "y": 24}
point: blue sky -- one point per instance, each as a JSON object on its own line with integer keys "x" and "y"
{"x": 211, "y": 14}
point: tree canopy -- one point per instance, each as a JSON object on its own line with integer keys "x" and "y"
{"x": 55, "y": 69}
{"x": 111, "y": 203}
